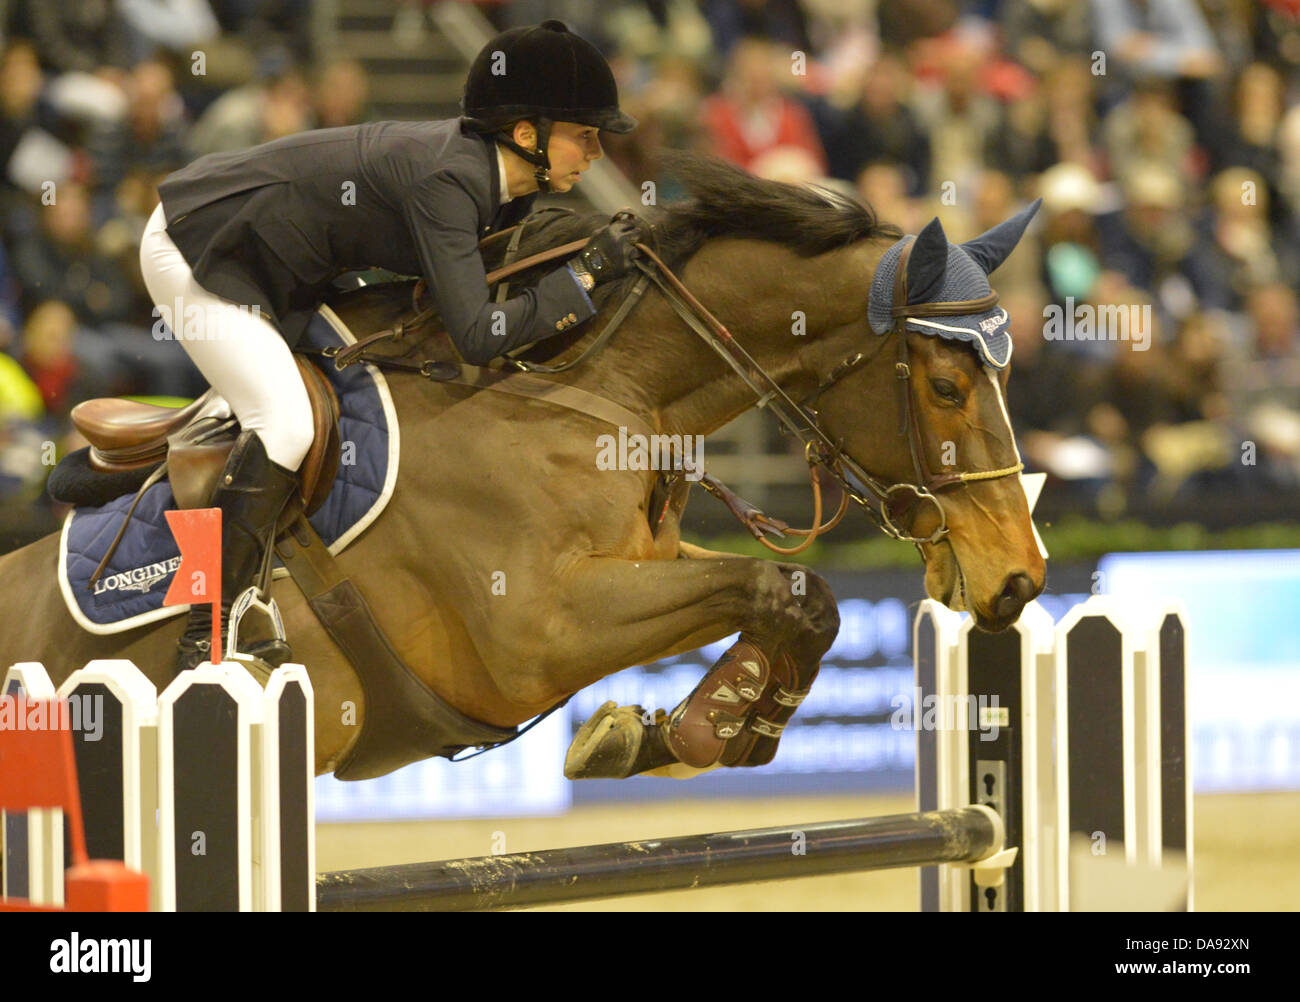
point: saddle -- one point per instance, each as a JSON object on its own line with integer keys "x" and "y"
{"x": 195, "y": 441}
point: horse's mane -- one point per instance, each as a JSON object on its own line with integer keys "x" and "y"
{"x": 722, "y": 201}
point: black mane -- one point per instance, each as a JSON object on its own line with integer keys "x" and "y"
{"x": 722, "y": 201}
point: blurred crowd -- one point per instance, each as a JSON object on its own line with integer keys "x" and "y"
{"x": 100, "y": 100}
{"x": 1162, "y": 135}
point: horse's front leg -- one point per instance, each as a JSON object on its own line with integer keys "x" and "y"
{"x": 649, "y": 610}
{"x": 695, "y": 728}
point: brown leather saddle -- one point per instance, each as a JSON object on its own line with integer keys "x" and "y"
{"x": 196, "y": 440}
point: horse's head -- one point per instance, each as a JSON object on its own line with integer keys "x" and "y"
{"x": 929, "y": 427}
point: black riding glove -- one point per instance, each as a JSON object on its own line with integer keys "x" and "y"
{"x": 612, "y": 248}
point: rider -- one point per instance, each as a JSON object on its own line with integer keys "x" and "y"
{"x": 270, "y": 227}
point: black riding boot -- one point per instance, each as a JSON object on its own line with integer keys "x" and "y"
{"x": 251, "y": 494}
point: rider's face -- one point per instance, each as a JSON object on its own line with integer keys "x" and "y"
{"x": 572, "y": 149}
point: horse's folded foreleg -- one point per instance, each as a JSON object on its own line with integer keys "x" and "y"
{"x": 787, "y": 618}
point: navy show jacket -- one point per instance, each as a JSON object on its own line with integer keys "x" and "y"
{"x": 273, "y": 225}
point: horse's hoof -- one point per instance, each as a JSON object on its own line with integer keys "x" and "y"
{"x": 608, "y": 745}
{"x": 255, "y": 666}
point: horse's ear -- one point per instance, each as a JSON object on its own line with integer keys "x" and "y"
{"x": 992, "y": 248}
{"x": 927, "y": 262}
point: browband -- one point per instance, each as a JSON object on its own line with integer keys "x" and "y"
{"x": 945, "y": 309}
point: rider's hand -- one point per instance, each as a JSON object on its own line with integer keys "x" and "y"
{"x": 612, "y": 248}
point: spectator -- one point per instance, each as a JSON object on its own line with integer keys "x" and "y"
{"x": 1040, "y": 390}
{"x": 881, "y": 126}
{"x": 1021, "y": 144}
{"x": 1147, "y": 130}
{"x": 780, "y": 21}
{"x": 172, "y": 25}
{"x": 903, "y": 24}
{"x": 1235, "y": 252}
{"x": 882, "y": 186}
{"x": 20, "y": 399}
{"x": 958, "y": 118}
{"x": 649, "y": 30}
{"x": 751, "y": 116}
{"x": 1262, "y": 383}
{"x": 1151, "y": 238}
{"x": 21, "y": 82}
{"x": 1196, "y": 372}
{"x": 1072, "y": 123}
{"x": 1164, "y": 39}
{"x": 277, "y": 105}
{"x": 59, "y": 260}
{"x": 1248, "y": 135}
{"x": 1044, "y": 399}
{"x": 1265, "y": 368}
{"x": 1288, "y": 148}
{"x": 151, "y": 137}
{"x": 79, "y": 35}
{"x": 49, "y": 357}
{"x": 1070, "y": 262}
{"x": 1039, "y": 32}
{"x": 19, "y": 396}
{"x": 342, "y": 93}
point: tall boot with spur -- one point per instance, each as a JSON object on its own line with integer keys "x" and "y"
{"x": 251, "y": 493}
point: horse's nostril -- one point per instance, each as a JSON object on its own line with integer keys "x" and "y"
{"x": 1016, "y": 592}
{"x": 1019, "y": 586}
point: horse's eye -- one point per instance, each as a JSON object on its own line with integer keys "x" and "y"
{"x": 946, "y": 389}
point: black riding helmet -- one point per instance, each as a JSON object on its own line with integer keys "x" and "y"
{"x": 546, "y": 74}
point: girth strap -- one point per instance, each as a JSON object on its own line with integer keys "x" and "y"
{"x": 405, "y": 721}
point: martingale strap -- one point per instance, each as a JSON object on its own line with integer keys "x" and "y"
{"x": 521, "y": 384}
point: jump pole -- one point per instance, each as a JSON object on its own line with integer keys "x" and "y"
{"x": 968, "y": 835}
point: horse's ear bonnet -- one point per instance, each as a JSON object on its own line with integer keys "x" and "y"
{"x": 938, "y": 271}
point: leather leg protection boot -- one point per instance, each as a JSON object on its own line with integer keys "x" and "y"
{"x": 703, "y": 726}
{"x": 772, "y": 712}
{"x": 251, "y": 494}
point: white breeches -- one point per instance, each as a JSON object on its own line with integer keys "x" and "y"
{"x": 241, "y": 355}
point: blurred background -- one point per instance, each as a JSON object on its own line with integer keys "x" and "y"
{"x": 1162, "y": 135}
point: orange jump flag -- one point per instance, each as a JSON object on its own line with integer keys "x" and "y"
{"x": 198, "y": 579}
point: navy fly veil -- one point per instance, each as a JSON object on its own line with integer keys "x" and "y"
{"x": 941, "y": 272}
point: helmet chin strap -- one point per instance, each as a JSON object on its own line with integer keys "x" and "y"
{"x": 539, "y": 158}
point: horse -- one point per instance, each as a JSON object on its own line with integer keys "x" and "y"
{"x": 509, "y": 570}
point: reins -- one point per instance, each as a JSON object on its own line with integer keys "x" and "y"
{"x": 885, "y": 503}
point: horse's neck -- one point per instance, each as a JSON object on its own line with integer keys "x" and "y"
{"x": 787, "y": 312}
{"x": 795, "y": 316}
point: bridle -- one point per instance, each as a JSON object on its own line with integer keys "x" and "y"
{"x": 893, "y": 507}
{"x": 891, "y": 503}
